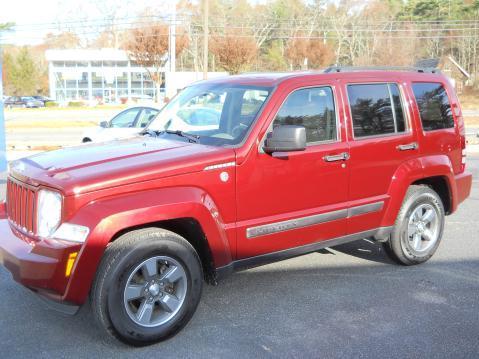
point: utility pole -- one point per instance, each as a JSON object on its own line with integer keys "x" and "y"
{"x": 205, "y": 38}
{"x": 172, "y": 39}
{"x": 3, "y": 150}
{"x": 170, "y": 78}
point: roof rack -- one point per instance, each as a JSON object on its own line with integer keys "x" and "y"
{"x": 380, "y": 68}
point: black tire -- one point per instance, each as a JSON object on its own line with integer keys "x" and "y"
{"x": 398, "y": 246}
{"x": 121, "y": 258}
{"x": 86, "y": 140}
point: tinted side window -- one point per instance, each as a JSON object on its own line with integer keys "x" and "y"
{"x": 376, "y": 109}
{"x": 434, "y": 106}
{"x": 312, "y": 108}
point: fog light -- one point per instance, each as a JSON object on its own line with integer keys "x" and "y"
{"x": 72, "y": 232}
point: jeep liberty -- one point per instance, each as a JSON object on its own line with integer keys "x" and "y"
{"x": 234, "y": 173}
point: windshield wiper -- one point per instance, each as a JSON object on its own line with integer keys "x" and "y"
{"x": 190, "y": 137}
{"x": 149, "y": 133}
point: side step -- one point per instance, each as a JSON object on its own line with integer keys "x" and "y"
{"x": 380, "y": 234}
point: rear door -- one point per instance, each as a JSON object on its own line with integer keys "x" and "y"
{"x": 381, "y": 139}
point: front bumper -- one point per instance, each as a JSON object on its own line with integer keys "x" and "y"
{"x": 39, "y": 265}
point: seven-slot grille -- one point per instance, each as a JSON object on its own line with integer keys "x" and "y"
{"x": 21, "y": 204}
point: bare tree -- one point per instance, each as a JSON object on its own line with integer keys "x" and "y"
{"x": 232, "y": 51}
{"x": 308, "y": 53}
{"x": 64, "y": 40}
{"x": 148, "y": 47}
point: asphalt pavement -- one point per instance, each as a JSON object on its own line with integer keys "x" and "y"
{"x": 350, "y": 302}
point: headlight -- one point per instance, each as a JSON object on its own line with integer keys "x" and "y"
{"x": 49, "y": 212}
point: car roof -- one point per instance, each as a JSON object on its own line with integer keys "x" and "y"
{"x": 381, "y": 73}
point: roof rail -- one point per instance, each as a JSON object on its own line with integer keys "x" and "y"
{"x": 380, "y": 68}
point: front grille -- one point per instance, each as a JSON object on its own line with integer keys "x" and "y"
{"x": 21, "y": 204}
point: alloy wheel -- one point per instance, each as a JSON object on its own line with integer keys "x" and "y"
{"x": 155, "y": 291}
{"x": 423, "y": 229}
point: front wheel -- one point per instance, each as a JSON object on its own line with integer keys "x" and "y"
{"x": 148, "y": 286}
{"x": 418, "y": 228}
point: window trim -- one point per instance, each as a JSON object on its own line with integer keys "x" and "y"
{"x": 310, "y": 144}
{"x": 404, "y": 105}
{"x": 424, "y": 132}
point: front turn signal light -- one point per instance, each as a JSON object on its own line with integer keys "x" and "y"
{"x": 71, "y": 261}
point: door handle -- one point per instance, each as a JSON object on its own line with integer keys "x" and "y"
{"x": 339, "y": 157}
{"x": 408, "y": 147}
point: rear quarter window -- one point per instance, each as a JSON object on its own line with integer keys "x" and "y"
{"x": 434, "y": 106}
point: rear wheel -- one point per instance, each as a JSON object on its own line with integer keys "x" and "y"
{"x": 419, "y": 227}
{"x": 148, "y": 286}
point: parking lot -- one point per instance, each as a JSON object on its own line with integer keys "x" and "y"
{"x": 348, "y": 302}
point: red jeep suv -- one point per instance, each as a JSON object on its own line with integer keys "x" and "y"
{"x": 235, "y": 173}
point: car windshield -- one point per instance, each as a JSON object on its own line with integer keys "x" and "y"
{"x": 216, "y": 114}
{"x": 27, "y": 98}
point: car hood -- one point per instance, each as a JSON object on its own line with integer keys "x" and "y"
{"x": 91, "y": 167}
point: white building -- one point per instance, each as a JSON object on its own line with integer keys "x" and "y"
{"x": 108, "y": 76}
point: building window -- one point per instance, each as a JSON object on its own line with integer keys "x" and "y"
{"x": 122, "y": 80}
{"x": 136, "y": 80}
{"x": 83, "y": 81}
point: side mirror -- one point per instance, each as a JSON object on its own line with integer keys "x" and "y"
{"x": 286, "y": 138}
{"x": 104, "y": 124}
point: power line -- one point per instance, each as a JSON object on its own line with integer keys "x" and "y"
{"x": 188, "y": 19}
{"x": 284, "y": 37}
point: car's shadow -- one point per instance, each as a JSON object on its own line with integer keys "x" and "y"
{"x": 365, "y": 249}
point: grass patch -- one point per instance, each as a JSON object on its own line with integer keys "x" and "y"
{"x": 469, "y": 101}
{"x": 83, "y": 108}
{"x": 17, "y": 125}
{"x": 471, "y": 121}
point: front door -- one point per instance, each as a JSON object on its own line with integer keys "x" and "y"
{"x": 300, "y": 197}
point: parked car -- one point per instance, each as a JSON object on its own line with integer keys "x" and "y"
{"x": 127, "y": 123}
{"x": 23, "y": 101}
{"x": 298, "y": 162}
{"x": 43, "y": 99}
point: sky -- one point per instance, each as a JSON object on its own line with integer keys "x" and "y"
{"x": 35, "y": 18}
